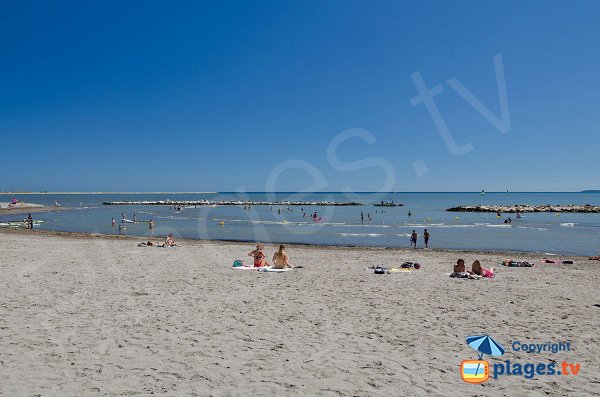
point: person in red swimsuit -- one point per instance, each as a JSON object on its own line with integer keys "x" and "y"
{"x": 260, "y": 259}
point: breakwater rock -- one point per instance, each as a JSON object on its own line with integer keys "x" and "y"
{"x": 526, "y": 208}
{"x": 240, "y": 202}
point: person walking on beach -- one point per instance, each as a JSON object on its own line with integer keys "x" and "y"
{"x": 426, "y": 238}
{"x": 413, "y": 239}
{"x": 29, "y": 222}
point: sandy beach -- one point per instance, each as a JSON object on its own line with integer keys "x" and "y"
{"x": 102, "y": 316}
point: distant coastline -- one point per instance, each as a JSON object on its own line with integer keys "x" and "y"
{"x": 65, "y": 193}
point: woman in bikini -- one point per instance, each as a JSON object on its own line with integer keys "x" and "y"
{"x": 280, "y": 258}
{"x": 477, "y": 269}
{"x": 260, "y": 260}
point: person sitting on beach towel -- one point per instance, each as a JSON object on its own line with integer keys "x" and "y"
{"x": 511, "y": 263}
{"x": 148, "y": 244}
{"x": 169, "y": 241}
{"x": 260, "y": 259}
{"x": 477, "y": 269}
{"x": 594, "y": 258}
{"x": 459, "y": 270}
{"x": 281, "y": 259}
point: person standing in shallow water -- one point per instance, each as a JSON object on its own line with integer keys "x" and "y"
{"x": 426, "y": 238}
{"x": 413, "y": 239}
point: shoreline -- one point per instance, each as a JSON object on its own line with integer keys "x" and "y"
{"x": 328, "y": 247}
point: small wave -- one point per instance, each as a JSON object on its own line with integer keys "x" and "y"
{"x": 361, "y": 234}
{"x": 531, "y": 227}
{"x": 568, "y": 224}
{"x": 503, "y": 225}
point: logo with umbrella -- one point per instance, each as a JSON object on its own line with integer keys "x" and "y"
{"x": 478, "y": 371}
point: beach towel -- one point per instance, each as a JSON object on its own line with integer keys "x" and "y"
{"x": 518, "y": 264}
{"x": 272, "y": 269}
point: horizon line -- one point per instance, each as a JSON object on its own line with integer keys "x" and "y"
{"x": 292, "y": 192}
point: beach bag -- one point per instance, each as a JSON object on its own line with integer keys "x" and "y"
{"x": 238, "y": 263}
{"x": 379, "y": 270}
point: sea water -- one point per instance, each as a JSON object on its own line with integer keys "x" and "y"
{"x": 575, "y": 234}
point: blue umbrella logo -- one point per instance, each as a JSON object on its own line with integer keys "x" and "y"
{"x": 485, "y": 345}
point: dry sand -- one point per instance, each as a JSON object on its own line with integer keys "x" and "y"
{"x": 99, "y": 316}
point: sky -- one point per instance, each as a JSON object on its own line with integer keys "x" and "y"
{"x": 295, "y": 96}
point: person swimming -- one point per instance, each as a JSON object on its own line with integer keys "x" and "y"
{"x": 260, "y": 260}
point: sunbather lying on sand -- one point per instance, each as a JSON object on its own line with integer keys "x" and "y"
{"x": 477, "y": 269}
{"x": 459, "y": 270}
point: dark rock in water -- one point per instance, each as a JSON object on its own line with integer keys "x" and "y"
{"x": 216, "y": 203}
{"x": 526, "y": 208}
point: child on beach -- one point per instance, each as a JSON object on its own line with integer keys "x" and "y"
{"x": 260, "y": 260}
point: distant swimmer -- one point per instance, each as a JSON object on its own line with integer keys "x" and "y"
{"x": 113, "y": 222}
{"x": 122, "y": 216}
{"x": 518, "y": 216}
{"x": 304, "y": 215}
{"x": 362, "y": 217}
{"x": 151, "y": 224}
{"x": 369, "y": 216}
{"x": 279, "y": 211}
{"x": 134, "y": 219}
{"x": 409, "y": 213}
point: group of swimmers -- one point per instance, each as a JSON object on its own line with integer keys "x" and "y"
{"x": 280, "y": 258}
{"x": 460, "y": 270}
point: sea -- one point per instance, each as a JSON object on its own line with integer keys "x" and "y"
{"x": 546, "y": 233}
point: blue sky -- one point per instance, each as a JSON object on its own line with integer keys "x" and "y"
{"x": 215, "y": 96}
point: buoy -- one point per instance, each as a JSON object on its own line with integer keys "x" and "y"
{"x": 221, "y": 223}
{"x": 456, "y": 217}
{"x": 284, "y": 221}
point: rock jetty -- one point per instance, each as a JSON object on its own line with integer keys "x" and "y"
{"x": 240, "y": 202}
{"x": 526, "y": 208}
